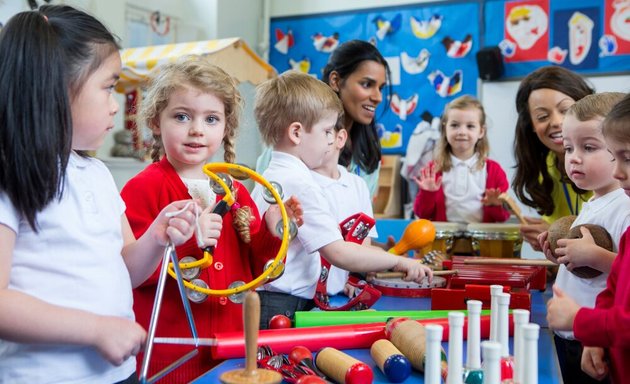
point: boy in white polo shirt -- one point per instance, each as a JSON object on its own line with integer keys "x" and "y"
{"x": 296, "y": 115}
{"x": 347, "y": 195}
{"x": 590, "y": 166}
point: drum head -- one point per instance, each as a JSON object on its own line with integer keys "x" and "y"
{"x": 444, "y": 229}
{"x": 494, "y": 231}
{"x": 401, "y": 288}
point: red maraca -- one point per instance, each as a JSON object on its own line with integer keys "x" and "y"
{"x": 302, "y": 355}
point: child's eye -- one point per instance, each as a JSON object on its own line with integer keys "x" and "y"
{"x": 590, "y": 148}
{"x": 212, "y": 119}
{"x": 181, "y": 117}
{"x": 568, "y": 149}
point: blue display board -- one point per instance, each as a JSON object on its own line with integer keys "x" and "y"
{"x": 430, "y": 48}
{"x": 587, "y": 36}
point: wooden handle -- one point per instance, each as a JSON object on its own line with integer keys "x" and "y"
{"x": 503, "y": 261}
{"x": 512, "y": 206}
{"x": 251, "y": 375}
{"x": 251, "y": 319}
{"x": 396, "y": 275}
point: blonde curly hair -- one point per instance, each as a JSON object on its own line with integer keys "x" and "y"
{"x": 197, "y": 72}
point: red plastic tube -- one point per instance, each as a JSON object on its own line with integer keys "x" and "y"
{"x": 231, "y": 345}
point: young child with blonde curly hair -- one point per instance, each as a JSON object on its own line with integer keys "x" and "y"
{"x": 193, "y": 109}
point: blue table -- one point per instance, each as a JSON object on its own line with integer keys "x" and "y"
{"x": 548, "y": 368}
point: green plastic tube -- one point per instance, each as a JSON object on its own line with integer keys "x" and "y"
{"x": 322, "y": 318}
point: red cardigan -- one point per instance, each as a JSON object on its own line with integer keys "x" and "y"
{"x": 145, "y": 196}
{"x": 607, "y": 325}
{"x": 431, "y": 205}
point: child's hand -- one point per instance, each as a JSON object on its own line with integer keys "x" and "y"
{"x": 294, "y": 212}
{"x": 391, "y": 241}
{"x": 594, "y": 363}
{"x": 118, "y": 338}
{"x": 176, "y": 223}
{"x": 561, "y": 311}
{"x": 491, "y": 197}
{"x": 577, "y": 252}
{"x": 414, "y": 270}
{"x": 349, "y": 290}
{"x": 427, "y": 180}
{"x": 532, "y": 229}
{"x": 545, "y": 246}
{"x": 210, "y": 225}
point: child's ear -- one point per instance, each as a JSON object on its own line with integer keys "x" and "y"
{"x": 341, "y": 138}
{"x": 334, "y": 81}
{"x": 483, "y": 132}
{"x": 295, "y": 132}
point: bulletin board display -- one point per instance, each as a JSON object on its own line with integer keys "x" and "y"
{"x": 430, "y": 49}
{"x": 587, "y": 36}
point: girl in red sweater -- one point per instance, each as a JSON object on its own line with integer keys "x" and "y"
{"x": 461, "y": 184}
{"x": 193, "y": 108}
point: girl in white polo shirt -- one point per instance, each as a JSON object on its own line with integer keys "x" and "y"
{"x": 68, "y": 258}
{"x": 461, "y": 184}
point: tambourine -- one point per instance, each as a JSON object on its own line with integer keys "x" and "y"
{"x": 353, "y": 229}
{"x": 272, "y": 270}
{"x": 401, "y": 288}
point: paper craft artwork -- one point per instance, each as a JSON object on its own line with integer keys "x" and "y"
{"x": 445, "y": 85}
{"x": 457, "y": 48}
{"x": 284, "y": 41}
{"x": 526, "y": 24}
{"x": 303, "y": 65}
{"x": 425, "y": 29}
{"x": 580, "y": 37}
{"x": 390, "y": 139}
{"x": 386, "y": 27}
{"x": 415, "y": 65}
{"x": 325, "y": 44}
{"x": 403, "y": 108}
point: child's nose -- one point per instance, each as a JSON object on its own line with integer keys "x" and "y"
{"x": 115, "y": 106}
{"x": 196, "y": 128}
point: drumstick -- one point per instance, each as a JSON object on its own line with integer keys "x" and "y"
{"x": 395, "y": 275}
{"x": 498, "y": 261}
{"x": 512, "y": 206}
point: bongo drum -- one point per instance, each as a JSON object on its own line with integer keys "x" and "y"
{"x": 495, "y": 239}
{"x": 401, "y": 288}
{"x": 445, "y": 235}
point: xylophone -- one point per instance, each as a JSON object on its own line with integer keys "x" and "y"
{"x": 525, "y": 277}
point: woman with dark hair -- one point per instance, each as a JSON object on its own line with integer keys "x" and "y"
{"x": 357, "y": 72}
{"x": 541, "y": 181}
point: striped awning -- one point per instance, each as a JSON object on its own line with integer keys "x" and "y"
{"x": 233, "y": 55}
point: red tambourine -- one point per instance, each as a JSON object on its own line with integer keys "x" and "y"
{"x": 354, "y": 229}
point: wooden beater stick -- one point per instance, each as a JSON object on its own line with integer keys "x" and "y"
{"x": 500, "y": 261}
{"x": 395, "y": 275}
{"x": 251, "y": 374}
{"x": 512, "y": 206}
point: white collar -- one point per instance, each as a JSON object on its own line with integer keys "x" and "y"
{"x": 470, "y": 162}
